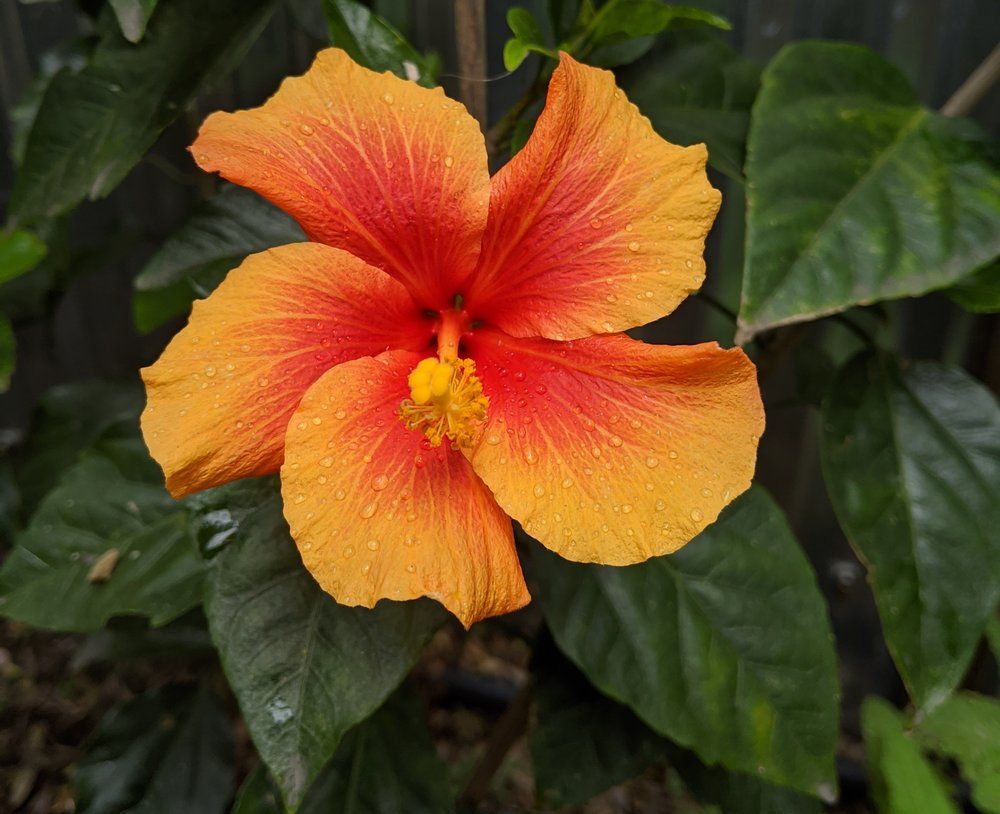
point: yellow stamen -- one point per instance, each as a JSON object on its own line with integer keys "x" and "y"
{"x": 446, "y": 401}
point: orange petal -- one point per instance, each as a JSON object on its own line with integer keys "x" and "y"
{"x": 390, "y": 171}
{"x": 220, "y": 396}
{"x": 598, "y": 224}
{"x": 377, "y": 514}
{"x": 609, "y": 450}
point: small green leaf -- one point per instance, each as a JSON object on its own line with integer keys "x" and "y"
{"x": 94, "y": 125}
{"x": 514, "y": 53}
{"x": 372, "y": 42}
{"x": 640, "y": 18}
{"x": 739, "y": 608}
{"x": 8, "y": 352}
{"x": 902, "y": 780}
{"x": 165, "y": 751}
{"x": 698, "y": 90}
{"x": 193, "y": 260}
{"x": 979, "y": 292}
{"x": 855, "y": 192}
{"x": 304, "y": 669}
{"x": 911, "y": 459}
{"x": 524, "y": 26}
{"x": 966, "y": 728}
{"x": 107, "y": 541}
{"x": 20, "y": 251}
{"x": 70, "y": 419}
{"x": 133, "y": 16}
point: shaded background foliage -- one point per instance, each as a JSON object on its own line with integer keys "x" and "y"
{"x": 82, "y": 324}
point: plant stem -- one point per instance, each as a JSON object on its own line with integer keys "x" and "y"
{"x": 975, "y": 87}
{"x": 470, "y": 37}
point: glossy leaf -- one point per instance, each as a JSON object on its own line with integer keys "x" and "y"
{"x": 902, "y": 780}
{"x": 111, "y": 501}
{"x": 194, "y": 259}
{"x": 304, "y": 669}
{"x": 855, "y": 192}
{"x": 979, "y": 292}
{"x": 20, "y": 251}
{"x": 70, "y": 419}
{"x": 639, "y": 18}
{"x": 911, "y": 458}
{"x": 133, "y": 16}
{"x": 94, "y": 125}
{"x": 373, "y": 42}
{"x": 724, "y": 647}
{"x": 163, "y": 752}
{"x": 966, "y": 728}
{"x": 699, "y": 90}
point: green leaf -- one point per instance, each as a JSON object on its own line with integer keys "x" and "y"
{"x": 94, "y": 125}
{"x": 386, "y": 765}
{"x": 133, "y": 16}
{"x": 514, "y": 53}
{"x": 902, "y": 780}
{"x": 966, "y": 728}
{"x": 739, "y": 793}
{"x": 132, "y": 639}
{"x": 111, "y": 501}
{"x": 372, "y": 42}
{"x": 739, "y": 609}
{"x": 583, "y": 742}
{"x": 162, "y": 752}
{"x": 20, "y": 251}
{"x": 639, "y": 18}
{"x": 70, "y": 419}
{"x": 304, "y": 669}
{"x": 699, "y": 90}
{"x": 856, "y": 193}
{"x": 979, "y": 292}
{"x": 524, "y": 26}
{"x": 8, "y": 352}
{"x": 911, "y": 459}
{"x": 193, "y": 260}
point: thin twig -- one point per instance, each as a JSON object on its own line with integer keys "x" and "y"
{"x": 975, "y": 87}
{"x": 511, "y": 726}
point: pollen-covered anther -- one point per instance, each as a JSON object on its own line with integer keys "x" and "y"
{"x": 446, "y": 401}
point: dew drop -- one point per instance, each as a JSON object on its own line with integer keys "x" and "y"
{"x": 633, "y": 246}
{"x": 615, "y": 441}
{"x": 379, "y": 482}
{"x": 696, "y": 515}
{"x": 387, "y": 98}
{"x": 652, "y": 462}
{"x": 539, "y": 490}
{"x": 448, "y": 161}
{"x": 372, "y": 545}
{"x": 368, "y": 509}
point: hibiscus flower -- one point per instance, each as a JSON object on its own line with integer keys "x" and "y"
{"x": 446, "y": 351}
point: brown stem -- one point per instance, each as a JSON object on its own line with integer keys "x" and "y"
{"x": 512, "y": 724}
{"x": 470, "y": 37}
{"x": 975, "y": 87}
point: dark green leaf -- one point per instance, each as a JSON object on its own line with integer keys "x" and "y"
{"x": 583, "y": 742}
{"x": 94, "y": 125}
{"x": 699, "y": 90}
{"x": 111, "y": 501}
{"x": 966, "y": 728}
{"x": 194, "y": 259}
{"x": 20, "y": 251}
{"x": 902, "y": 780}
{"x": 979, "y": 292}
{"x": 855, "y": 192}
{"x": 258, "y": 794}
{"x": 131, "y": 638}
{"x": 724, "y": 647}
{"x": 386, "y": 765}
{"x": 8, "y": 352}
{"x": 739, "y": 793}
{"x": 71, "y": 418}
{"x": 372, "y": 42}
{"x": 304, "y": 669}
{"x": 911, "y": 458}
{"x": 72, "y": 55}
{"x": 133, "y": 16}
{"x": 159, "y": 754}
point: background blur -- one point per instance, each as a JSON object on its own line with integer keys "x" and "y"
{"x": 87, "y": 330}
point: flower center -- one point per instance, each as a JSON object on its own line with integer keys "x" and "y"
{"x": 446, "y": 397}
